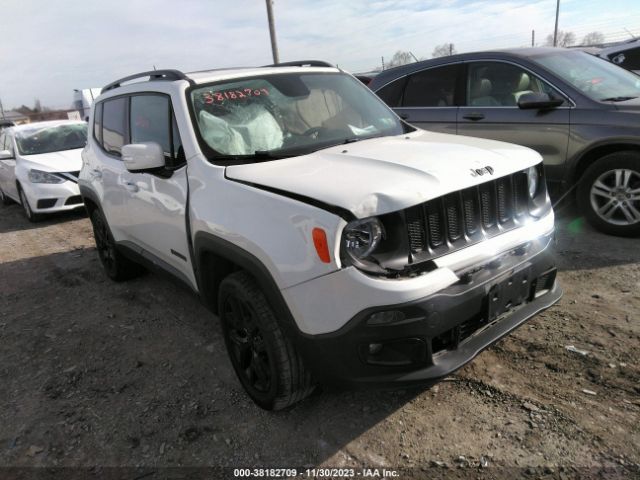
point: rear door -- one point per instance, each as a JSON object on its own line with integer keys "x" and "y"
{"x": 426, "y": 99}
{"x": 103, "y": 162}
{"x": 157, "y": 200}
{"x": 490, "y": 110}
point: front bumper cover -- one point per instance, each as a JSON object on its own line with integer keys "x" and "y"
{"x": 438, "y": 334}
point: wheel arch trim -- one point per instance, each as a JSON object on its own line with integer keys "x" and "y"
{"x": 212, "y": 252}
{"x": 597, "y": 150}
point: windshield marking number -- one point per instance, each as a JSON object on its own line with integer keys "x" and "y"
{"x": 213, "y": 97}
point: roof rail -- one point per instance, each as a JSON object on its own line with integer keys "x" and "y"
{"x": 153, "y": 75}
{"x": 303, "y": 63}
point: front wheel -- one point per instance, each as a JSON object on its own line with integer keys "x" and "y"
{"x": 609, "y": 194}
{"x": 32, "y": 217}
{"x": 263, "y": 357}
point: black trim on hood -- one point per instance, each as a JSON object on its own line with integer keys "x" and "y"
{"x": 339, "y": 211}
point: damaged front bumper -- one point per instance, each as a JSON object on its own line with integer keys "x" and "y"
{"x": 423, "y": 340}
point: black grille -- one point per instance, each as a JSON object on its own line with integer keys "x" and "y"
{"x": 465, "y": 217}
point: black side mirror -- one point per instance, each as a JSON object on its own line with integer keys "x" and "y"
{"x": 538, "y": 101}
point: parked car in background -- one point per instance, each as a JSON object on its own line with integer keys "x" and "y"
{"x": 5, "y": 124}
{"x": 625, "y": 55}
{"x": 580, "y": 112}
{"x": 366, "y": 77}
{"x": 83, "y": 99}
{"x": 39, "y": 166}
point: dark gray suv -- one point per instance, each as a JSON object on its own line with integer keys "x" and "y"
{"x": 580, "y": 112}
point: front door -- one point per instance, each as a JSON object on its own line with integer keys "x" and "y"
{"x": 157, "y": 201}
{"x": 490, "y": 110}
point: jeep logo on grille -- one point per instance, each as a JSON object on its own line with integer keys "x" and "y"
{"x": 478, "y": 172}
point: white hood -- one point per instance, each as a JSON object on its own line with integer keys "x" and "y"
{"x": 382, "y": 175}
{"x": 63, "y": 161}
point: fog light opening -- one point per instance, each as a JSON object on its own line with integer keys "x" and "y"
{"x": 387, "y": 317}
{"x": 375, "y": 348}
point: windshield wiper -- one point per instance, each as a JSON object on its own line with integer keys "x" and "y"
{"x": 616, "y": 99}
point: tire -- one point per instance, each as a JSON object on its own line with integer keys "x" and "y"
{"x": 609, "y": 194}
{"x": 4, "y": 199}
{"x": 26, "y": 208}
{"x": 263, "y": 357}
{"x": 116, "y": 266}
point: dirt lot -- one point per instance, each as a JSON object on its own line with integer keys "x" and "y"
{"x": 94, "y": 373}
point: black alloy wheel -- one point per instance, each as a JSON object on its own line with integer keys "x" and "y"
{"x": 263, "y": 356}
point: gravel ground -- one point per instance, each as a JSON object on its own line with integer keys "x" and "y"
{"x": 99, "y": 374}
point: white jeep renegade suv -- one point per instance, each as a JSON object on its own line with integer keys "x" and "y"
{"x": 335, "y": 242}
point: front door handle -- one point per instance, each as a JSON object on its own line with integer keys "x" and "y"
{"x": 132, "y": 187}
{"x": 475, "y": 116}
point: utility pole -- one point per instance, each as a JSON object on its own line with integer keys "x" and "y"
{"x": 533, "y": 38}
{"x": 555, "y": 31}
{"x": 382, "y": 62}
{"x": 272, "y": 32}
{"x": 1, "y": 110}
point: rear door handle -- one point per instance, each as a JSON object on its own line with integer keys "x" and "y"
{"x": 404, "y": 116}
{"x": 475, "y": 116}
{"x": 132, "y": 187}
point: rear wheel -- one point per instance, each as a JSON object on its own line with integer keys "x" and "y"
{"x": 609, "y": 194}
{"x": 32, "y": 217}
{"x": 117, "y": 266}
{"x": 263, "y": 357}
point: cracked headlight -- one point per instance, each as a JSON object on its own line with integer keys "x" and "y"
{"x": 361, "y": 237}
{"x": 38, "y": 176}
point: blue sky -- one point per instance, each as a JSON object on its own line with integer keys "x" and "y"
{"x": 49, "y": 47}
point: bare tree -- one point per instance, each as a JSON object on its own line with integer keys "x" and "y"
{"x": 565, "y": 39}
{"x": 399, "y": 58}
{"x": 444, "y": 50}
{"x": 593, "y": 38}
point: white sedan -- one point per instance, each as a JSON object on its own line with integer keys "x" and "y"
{"x": 39, "y": 166}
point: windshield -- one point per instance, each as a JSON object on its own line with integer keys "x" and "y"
{"x": 593, "y": 76}
{"x": 46, "y": 139}
{"x": 288, "y": 114}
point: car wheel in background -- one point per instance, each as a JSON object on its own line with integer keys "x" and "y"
{"x": 117, "y": 266}
{"x": 32, "y": 217}
{"x": 609, "y": 194}
{"x": 4, "y": 199}
{"x": 264, "y": 359}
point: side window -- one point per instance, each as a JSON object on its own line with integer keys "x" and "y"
{"x": 114, "y": 125}
{"x": 151, "y": 120}
{"x": 434, "y": 87}
{"x": 392, "y": 93}
{"x": 498, "y": 84}
{"x": 6, "y": 143}
{"x": 97, "y": 123}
